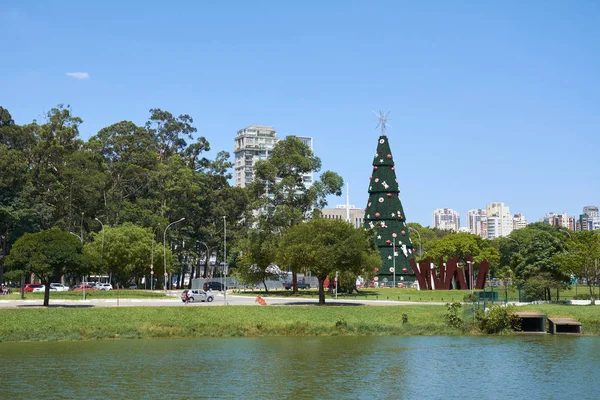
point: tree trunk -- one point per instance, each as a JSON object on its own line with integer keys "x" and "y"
{"x": 46, "y": 293}
{"x": 265, "y": 285}
{"x": 592, "y": 297}
{"x": 321, "y": 290}
{"x": 294, "y": 282}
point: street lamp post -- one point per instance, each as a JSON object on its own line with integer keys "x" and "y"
{"x": 83, "y": 278}
{"x": 420, "y": 243}
{"x": 165, "y": 248}
{"x": 225, "y": 260}
{"x": 152, "y": 260}
{"x": 394, "y": 260}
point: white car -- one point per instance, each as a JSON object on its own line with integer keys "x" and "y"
{"x": 104, "y": 286}
{"x": 59, "y": 287}
{"x": 196, "y": 295}
{"x": 42, "y": 289}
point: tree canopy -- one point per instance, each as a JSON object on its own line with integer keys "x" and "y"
{"x": 322, "y": 246}
{"x": 49, "y": 255}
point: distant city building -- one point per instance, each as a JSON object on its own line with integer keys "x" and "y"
{"x": 519, "y": 221}
{"x": 494, "y": 227}
{"x": 499, "y": 220}
{"x": 557, "y": 219}
{"x": 339, "y": 212}
{"x": 589, "y": 220}
{"x": 446, "y": 218}
{"x": 591, "y": 211}
{"x": 253, "y": 143}
{"x": 477, "y": 222}
{"x": 572, "y": 223}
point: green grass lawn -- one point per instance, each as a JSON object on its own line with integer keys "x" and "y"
{"x": 406, "y": 294}
{"x": 74, "y": 323}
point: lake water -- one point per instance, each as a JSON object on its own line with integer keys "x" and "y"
{"x": 370, "y": 367}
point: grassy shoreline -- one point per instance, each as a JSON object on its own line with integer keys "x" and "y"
{"x": 54, "y": 324}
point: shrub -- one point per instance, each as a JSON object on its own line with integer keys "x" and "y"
{"x": 582, "y": 296}
{"x": 451, "y": 317}
{"x": 496, "y": 319}
{"x": 470, "y": 298}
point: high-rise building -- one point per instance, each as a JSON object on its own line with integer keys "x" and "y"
{"x": 503, "y": 226}
{"x": 589, "y": 220}
{"x": 252, "y": 143}
{"x": 519, "y": 221}
{"x": 477, "y": 222}
{"x": 591, "y": 211}
{"x": 446, "y": 218}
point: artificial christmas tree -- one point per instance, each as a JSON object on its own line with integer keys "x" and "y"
{"x": 384, "y": 214}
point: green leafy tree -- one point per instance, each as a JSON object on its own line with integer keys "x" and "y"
{"x": 322, "y": 246}
{"x": 127, "y": 252}
{"x": 462, "y": 244}
{"x": 280, "y": 193}
{"x": 531, "y": 254}
{"x": 49, "y": 255}
{"x": 582, "y": 258}
{"x": 256, "y": 255}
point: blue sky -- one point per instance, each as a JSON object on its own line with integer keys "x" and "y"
{"x": 490, "y": 100}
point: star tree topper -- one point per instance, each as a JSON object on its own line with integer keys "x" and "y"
{"x": 383, "y": 121}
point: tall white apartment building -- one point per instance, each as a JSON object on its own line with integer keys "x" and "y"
{"x": 502, "y": 226}
{"x": 477, "y": 222}
{"x": 446, "y": 218}
{"x": 252, "y": 144}
{"x": 519, "y": 221}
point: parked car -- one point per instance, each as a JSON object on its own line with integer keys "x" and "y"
{"x": 30, "y": 286}
{"x": 132, "y": 286}
{"x": 197, "y": 295}
{"x": 42, "y": 289}
{"x": 85, "y": 286}
{"x": 301, "y": 285}
{"x": 213, "y": 286}
{"x": 104, "y": 286}
{"x": 59, "y": 287}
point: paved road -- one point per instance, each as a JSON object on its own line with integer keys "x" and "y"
{"x": 175, "y": 301}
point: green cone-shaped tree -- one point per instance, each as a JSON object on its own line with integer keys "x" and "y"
{"x": 385, "y": 214}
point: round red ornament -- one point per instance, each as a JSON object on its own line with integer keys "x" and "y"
{"x": 403, "y": 232}
{"x": 393, "y": 168}
{"x": 389, "y": 195}
{"x": 375, "y": 168}
{"x": 388, "y": 241}
{"x": 404, "y": 269}
{"x": 389, "y": 156}
{"x": 376, "y": 214}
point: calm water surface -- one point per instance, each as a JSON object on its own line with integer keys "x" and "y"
{"x": 521, "y": 367}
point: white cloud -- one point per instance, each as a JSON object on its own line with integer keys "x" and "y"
{"x": 78, "y": 75}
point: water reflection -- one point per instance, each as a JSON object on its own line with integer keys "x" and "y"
{"x": 306, "y": 368}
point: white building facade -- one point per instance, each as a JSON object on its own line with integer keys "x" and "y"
{"x": 447, "y": 219}
{"x": 252, "y": 144}
{"x": 477, "y": 222}
{"x": 499, "y": 220}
